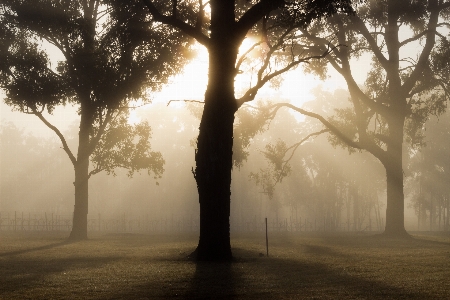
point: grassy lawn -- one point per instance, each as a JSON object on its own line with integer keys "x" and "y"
{"x": 132, "y": 266}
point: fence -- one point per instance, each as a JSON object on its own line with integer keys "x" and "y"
{"x": 299, "y": 225}
{"x": 21, "y": 221}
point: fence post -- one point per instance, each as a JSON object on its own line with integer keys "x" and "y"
{"x": 267, "y": 240}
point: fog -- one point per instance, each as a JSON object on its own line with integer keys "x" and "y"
{"x": 326, "y": 189}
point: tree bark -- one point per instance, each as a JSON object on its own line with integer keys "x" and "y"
{"x": 215, "y": 141}
{"x": 79, "y": 228}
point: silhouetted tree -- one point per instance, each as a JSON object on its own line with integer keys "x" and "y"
{"x": 400, "y": 89}
{"x": 222, "y": 34}
{"x": 112, "y": 55}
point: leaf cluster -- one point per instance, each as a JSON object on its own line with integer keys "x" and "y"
{"x": 126, "y": 146}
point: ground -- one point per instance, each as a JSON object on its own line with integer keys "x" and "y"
{"x": 132, "y": 266}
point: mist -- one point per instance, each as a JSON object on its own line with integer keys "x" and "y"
{"x": 327, "y": 189}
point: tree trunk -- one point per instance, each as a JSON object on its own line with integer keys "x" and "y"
{"x": 215, "y": 140}
{"x": 79, "y": 228}
{"x": 395, "y": 208}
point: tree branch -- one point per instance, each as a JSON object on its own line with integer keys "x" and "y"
{"x": 58, "y": 133}
{"x": 295, "y": 146}
{"x": 426, "y": 51}
{"x": 242, "y": 58}
{"x": 95, "y": 139}
{"x": 333, "y": 129}
{"x": 251, "y": 92}
{"x": 196, "y": 101}
{"x": 256, "y": 13}
{"x": 361, "y": 27}
{"x": 173, "y": 21}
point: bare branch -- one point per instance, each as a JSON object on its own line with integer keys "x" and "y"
{"x": 242, "y": 58}
{"x": 414, "y": 38}
{"x": 294, "y": 148}
{"x": 333, "y": 129}
{"x": 196, "y": 101}
{"x": 251, "y": 92}
{"x": 58, "y": 133}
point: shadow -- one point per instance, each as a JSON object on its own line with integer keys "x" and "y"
{"x": 40, "y": 248}
{"x": 23, "y": 275}
{"x": 311, "y": 274}
{"x": 213, "y": 280}
{"x": 313, "y": 280}
{"x": 375, "y": 241}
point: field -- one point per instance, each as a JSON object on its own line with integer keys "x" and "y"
{"x": 132, "y": 266}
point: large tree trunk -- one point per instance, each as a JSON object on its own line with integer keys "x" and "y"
{"x": 215, "y": 140}
{"x": 79, "y": 228}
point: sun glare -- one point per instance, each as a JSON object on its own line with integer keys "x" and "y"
{"x": 133, "y": 118}
{"x": 188, "y": 85}
{"x": 191, "y": 84}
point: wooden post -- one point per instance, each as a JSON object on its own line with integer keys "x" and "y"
{"x": 267, "y": 241}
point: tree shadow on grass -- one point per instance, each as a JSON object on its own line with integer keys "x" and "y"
{"x": 374, "y": 241}
{"x": 296, "y": 279}
{"x": 213, "y": 280}
{"x": 40, "y": 248}
{"x": 251, "y": 276}
{"x": 24, "y": 274}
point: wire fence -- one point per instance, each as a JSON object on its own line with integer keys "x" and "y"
{"x": 27, "y": 221}
{"x": 21, "y": 221}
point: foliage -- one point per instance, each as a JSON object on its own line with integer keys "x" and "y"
{"x": 128, "y": 147}
{"x": 113, "y": 53}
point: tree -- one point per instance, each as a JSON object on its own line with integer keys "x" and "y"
{"x": 112, "y": 55}
{"x": 400, "y": 90}
{"x": 222, "y": 34}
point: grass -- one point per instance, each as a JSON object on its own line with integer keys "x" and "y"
{"x": 132, "y": 266}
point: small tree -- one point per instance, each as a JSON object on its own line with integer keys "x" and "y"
{"x": 112, "y": 55}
